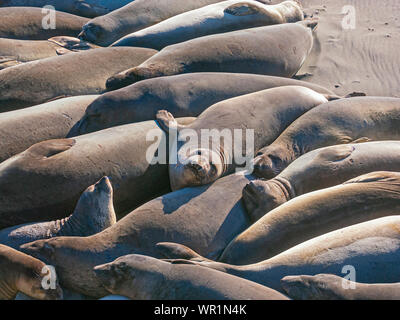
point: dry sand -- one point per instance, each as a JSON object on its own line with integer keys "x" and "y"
{"x": 364, "y": 59}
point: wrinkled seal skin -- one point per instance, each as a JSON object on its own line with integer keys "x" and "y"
{"x": 367, "y": 197}
{"x": 145, "y": 278}
{"x": 26, "y": 24}
{"x": 80, "y": 73}
{"x": 266, "y": 112}
{"x": 337, "y": 122}
{"x": 222, "y": 17}
{"x": 372, "y": 247}
{"x": 31, "y": 50}
{"x": 22, "y": 273}
{"x": 137, "y": 15}
{"x": 219, "y": 216}
{"x": 84, "y": 8}
{"x": 330, "y": 287}
{"x": 319, "y": 169}
{"x": 185, "y": 95}
{"x": 93, "y": 213}
{"x": 54, "y": 173}
{"x": 278, "y": 50}
{"x": 20, "y": 129}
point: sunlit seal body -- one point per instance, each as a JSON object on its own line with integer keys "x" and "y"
{"x": 21, "y": 129}
{"x": 139, "y": 14}
{"x": 45, "y": 182}
{"x": 337, "y": 122}
{"x": 80, "y": 73}
{"x": 182, "y": 95}
{"x": 266, "y": 113}
{"x": 331, "y": 287}
{"x": 144, "y": 278}
{"x": 84, "y": 8}
{"x": 26, "y": 23}
{"x": 278, "y": 50}
{"x": 372, "y": 248}
{"x": 368, "y": 197}
{"x": 219, "y": 217}
{"x": 225, "y": 16}
{"x": 22, "y": 273}
{"x": 94, "y": 213}
{"x": 319, "y": 169}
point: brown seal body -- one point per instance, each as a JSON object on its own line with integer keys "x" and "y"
{"x": 332, "y": 287}
{"x": 93, "y": 213}
{"x": 319, "y": 169}
{"x": 219, "y": 216}
{"x": 225, "y": 16}
{"x": 79, "y": 73}
{"x": 22, "y": 273}
{"x": 278, "y": 50}
{"x": 20, "y": 129}
{"x": 25, "y": 23}
{"x": 144, "y": 278}
{"x": 368, "y": 197}
{"x": 185, "y": 95}
{"x": 372, "y": 248}
{"x": 84, "y": 8}
{"x": 337, "y": 122}
{"x": 54, "y": 173}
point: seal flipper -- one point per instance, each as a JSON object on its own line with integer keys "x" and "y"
{"x": 310, "y": 23}
{"x": 72, "y": 44}
{"x": 378, "y": 176}
{"x": 178, "y": 251}
{"x": 49, "y": 148}
{"x": 338, "y": 153}
{"x": 8, "y": 61}
{"x": 167, "y": 121}
{"x": 362, "y": 140}
{"x": 241, "y": 9}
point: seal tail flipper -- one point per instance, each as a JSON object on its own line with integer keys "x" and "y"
{"x": 178, "y": 251}
{"x": 167, "y": 122}
{"x": 8, "y": 61}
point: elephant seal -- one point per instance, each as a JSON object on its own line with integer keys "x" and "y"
{"x": 137, "y": 15}
{"x": 219, "y": 217}
{"x": 25, "y": 23}
{"x": 22, "y": 273}
{"x": 331, "y": 287}
{"x": 29, "y": 50}
{"x": 372, "y": 248}
{"x": 44, "y": 182}
{"x": 337, "y": 122}
{"x": 182, "y": 95}
{"x": 145, "y": 278}
{"x": 82, "y": 73}
{"x": 267, "y": 113}
{"x": 319, "y": 169}
{"x": 20, "y": 129}
{"x": 94, "y": 213}
{"x": 278, "y": 50}
{"x": 225, "y": 16}
{"x": 367, "y": 197}
{"x": 84, "y": 8}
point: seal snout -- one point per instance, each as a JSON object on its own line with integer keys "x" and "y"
{"x": 264, "y": 167}
{"x": 104, "y": 184}
{"x": 121, "y": 80}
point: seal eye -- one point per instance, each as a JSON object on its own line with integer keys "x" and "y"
{"x": 199, "y": 152}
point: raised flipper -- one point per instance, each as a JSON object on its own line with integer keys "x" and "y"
{"x": 167, "y": 122}
{"x": 178, "y": 251}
